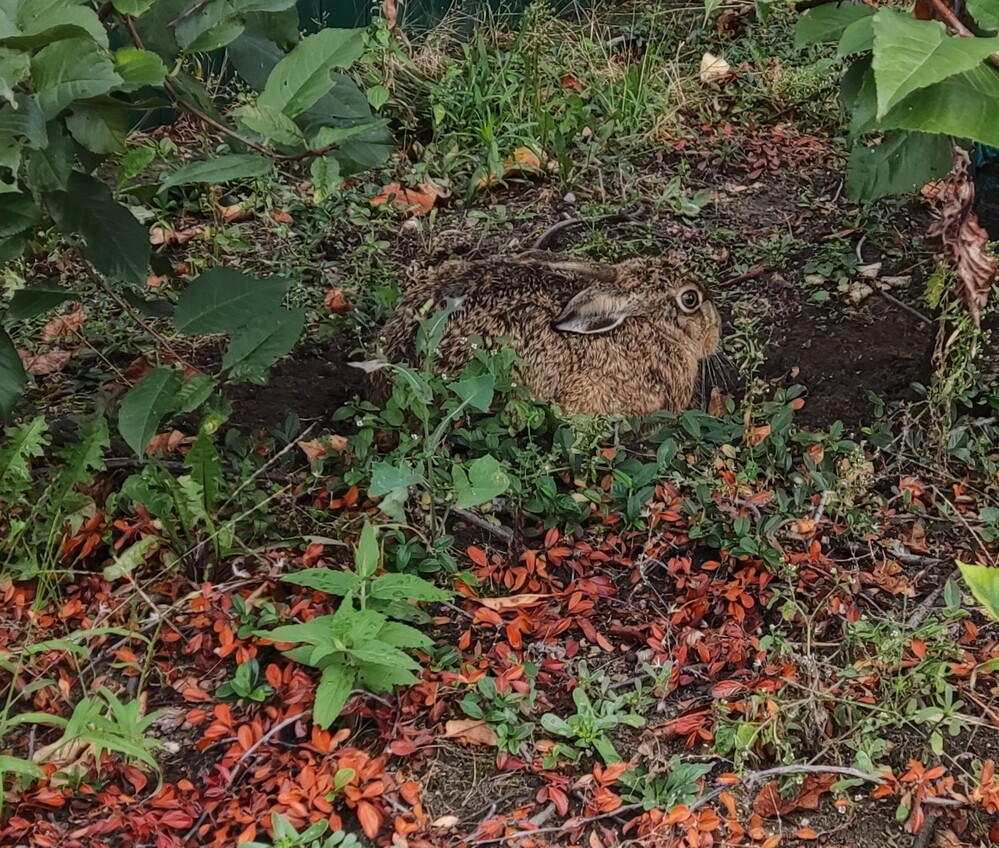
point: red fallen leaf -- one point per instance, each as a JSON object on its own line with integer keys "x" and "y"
{"x": 234, "y": 213}
{"x": 608, "y": 776}
{"x": 994, "y": 833}
{"x": 414, "y": 201}
{"x": 478, "y": 556}
{"x": 806, "y": 833}
{"x": 559, "y": 799}
{"x": 282, "y": 217}
{"x": 45, "y": 363}
{"x": 370, "y": 818}
{"x": 571, "y": 82}
{"x": 64, "y": 325}
{"x": 195, "y": 695}
{"x": 727, "y": 688}
{"x": 410, "y": 792}
{"x": 768, "y": 801}
{"x": 336, "y": 302}
{"x": 177, "y": 819}
{"x": 965, "y": 242}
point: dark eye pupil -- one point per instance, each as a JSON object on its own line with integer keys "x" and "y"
{"x": 690, "y": 299}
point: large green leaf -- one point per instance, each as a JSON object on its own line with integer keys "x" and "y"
{"x": 254, "y": 56}
{"x": 138, "y": 68}
{"x": 224, "y": 301}
{"x": 49, "y": 169}
{"x": 135, "y": 8}
{"x": 41, "y": 22}
{"x": 858, "y": 37}
{"x": 34, "y": 300}
{"x": 116, "y": 243}
{"x": 408, "y": 587}
{"x": 14, "y": 68}
{"x": 212, "y": 26}
{"x": 964, "y": 105}
{"x": 827, "y": 22}
{"x": 12, "y": 375}
{"x": 146, "y": 406}
{"x": 238, "y": 166}
{"x": 334, "y": 689}
{"x": 984, "y": 584}
{"x": 486, "y": 480}
{"x": 259, "y": 344}
{"x": 100, "y": 129}
{"x": 18, "y": 214}
{"x": 902, "y": 162}
{"x": 70, "y": 70}
{"x": 25, "y": 120}
{"x": 303, "y": 76}
{"x": 986, "y": 12}
{"x": 910, "y": 54}
{"x": 270, "y": 124}
{"x": 387, "y": 477}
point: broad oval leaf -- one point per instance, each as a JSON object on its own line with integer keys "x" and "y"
{"x": 12, "y": 375}
{"x": 486, "y": 480}
{"x": 407, "y": 587}
{"x": 68, "y": 71}
{"x": 224, "y": 301}
{"x": 146, "y": 406}
{"x": 34, "y": 300}
{"x": 826, "y": 23}
{"x": 138, "y": 68}
{"x": 334, "y": 689}
{"x": 902, "y": 162}
{"x": 239, "y": 166}
{"x": 984, "y": 584}
{"x": 260, "y": 343}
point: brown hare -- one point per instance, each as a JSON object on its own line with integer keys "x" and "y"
{"x": 595, "y": 339}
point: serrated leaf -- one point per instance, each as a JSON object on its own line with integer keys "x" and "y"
{"x": 20, "y": 445}
{"x": 131, "y": 558}
{"x": 134, "y": 162}
{"x": 381, "y": 653}
{"x": 101, "y": 130}
{"x": 223, "y": 301}
{"x": 43, "y": 22}
{"x": 68, "y": 71}
{"x": 325, "y": 173}
{"x": 240, "y": 166}
{"x": 986, "y": 12}
{"x": 206, "y": 470}
{"x": 25, "y": 120}
{"x": 81, "y": 458}
{"x": 902, "y": 162}
{"x": 910, "y": 55}
{"x": 334, "y": 689}
{"x": 262, "y": 342}
{"x": 116, "y": 243}
{"x": 12, "y": 376}
{"x": 826, "y": 23}
{"x": 270, "y": 124}
{"x": 409, "y": 587}
{"x": 300, "y": 79}
{"x": 14, "y": 69}
{"x": 337, "y": 583}
{"x": 146, "y": 406}
{"x": 34, "y": 300}
{"x": 984, "y": 584}
{"x": 138, "y": 68}
{"x": 18, "y": 214}
{"x": 486, "y": 480}
{"x": 49, "y": 169}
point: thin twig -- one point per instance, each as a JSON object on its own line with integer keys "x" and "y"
{"x": 921, "y": 612}
{"x": 751, "y": 274}
{"x": 954, "y": 22}
{"x": 901, "y": 304}
{"x": 571, "y": 824}
{"x": 498, "y": 530}
{"x": 545, "y": 238}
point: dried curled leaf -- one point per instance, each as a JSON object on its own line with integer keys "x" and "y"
{"x": 964, "y": 240}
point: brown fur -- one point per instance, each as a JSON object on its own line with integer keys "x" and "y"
{"x": 596, "y": 339}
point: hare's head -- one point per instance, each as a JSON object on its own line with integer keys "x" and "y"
{"x": 655, "y": 289}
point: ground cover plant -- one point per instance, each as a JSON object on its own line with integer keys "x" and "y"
{"x": 243, "y": 604}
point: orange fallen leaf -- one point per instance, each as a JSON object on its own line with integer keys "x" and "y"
{"x": 524, "y": 162}
{"x": 316, "y": 449}
{"x": 234, "y": 213}
{"x": 64, "y": 325}
{"x": 45, "y": 363}
{"x": 571, "y": 82}
{"x": 512, "y": 602}
{"x": 282, "y": 217}
{"x": 168, "y": 442}
{"x": 159, "y": 236}
{"x": 471, "y": 731}
{"x": 336, "y": 301}
{"x": 412, "y": 201}
{"x": 155, "y": 281}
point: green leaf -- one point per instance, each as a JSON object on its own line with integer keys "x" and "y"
{"x": 12, "y": 376}
{"x": 984, "y": 584}
{"x": 70, "y": 70}
{"x": 910, "y": 54}
{"x": 14, "y": 68}
{"x": 378, "y": 96}
{"x": 247, "y": 6}
{"x": 409, "y": 587}
{"x": 367, "y": 553}
{"x": 403, "y": 636}
{"x": 22, "y": 768}
{"x": 260, "y": 343}
{"x": 34, "y": 300}
{"x": 486, "y": 479}
{"x": 134, "y": 162}
{"x": 42, "y": 22}
{"x": 100, "y": 129}
{"x": 382, "y": 678}
{"x": 195, "y": 391}
{"x": 387, "y": 477}
{"x": 131, "y": 558}
{"x": 49, "y": 169}
{"x": 826, "y": 23}
{"x": 270, "y": 124}
{"x": 254, "y": 56}
{"x": 303, "y": 76}
{"x": 337, "y": 583}
{"x": 25, "y": 120}
{"x": 902, "y": 162}
{"x": 477, "y": 392}
{"x": 117, "y": 244}
{"x": 334, "y": 689}
{"x": 11, "y": 247}
{"x": 18, "y": 214}
{"x": 212, "y": 26}
{"x": 146, "y": 406}
{"x": 19, "y": 446}
{"x": 325, "y": 172}
{"x": 239, "y": 166}
{"x": 138, "y": 68}
{"x": 964, "y": 105}
{"x": 858, "y": 37}
{"x": 206, "y": 470}
{"x": 135, "y": 8}
{"x": 380, "y": 653}
{"x": 223, "y": 301}
{"x": 986, "y": 12}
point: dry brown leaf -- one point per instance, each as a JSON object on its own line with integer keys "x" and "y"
{"x": 964, "y": 240}
{"x": 159, "y": 236}
{"x": 412, "y": 201}
{"x": 390, "y": 13}
{"x": 233, "y": 213}
{"x": 524, "y": 162}
{"x": 336, "y": 301}
{"x": 154, "y": 281}
{"x": 716, "y": 403}
{"x": 714, "y": 69}
{"x": 64, "y": 325}
{"x": 168, "y": 442}
{"x": 445, "y": 822}
{"x": 512, "y": 602}
{"x": 317, "y": 449}
{"x": 282, "y": 217}
{"x": 471, "y": 731}
{"x": 571, "y": 82}
{"x": 45, "y": 363}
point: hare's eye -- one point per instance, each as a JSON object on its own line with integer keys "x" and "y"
{"x": 689, "y": 299}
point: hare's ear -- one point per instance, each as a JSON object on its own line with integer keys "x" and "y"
{"x": 593, "y": 311}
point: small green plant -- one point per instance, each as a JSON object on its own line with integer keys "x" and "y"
{"x": 357, "y": 646}
{"x": 285, "y": 836}
{"x": 588, "y": 728}
{"x": 665, "y": 791}
{"x": 984, "y": 584}
{"x": 247, "y": 684}
{"x": 504, "y": 711}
